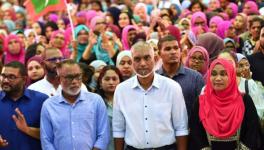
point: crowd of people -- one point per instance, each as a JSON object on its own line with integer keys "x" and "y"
{"x": 133, "y": 75}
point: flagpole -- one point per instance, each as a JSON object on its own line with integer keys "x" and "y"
{"x": 70, "y": 18}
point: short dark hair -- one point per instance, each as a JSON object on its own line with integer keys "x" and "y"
{"x": 18, "y": 65}
{"x": 197, "y": 2}
{"x": 44, "y": 56}
{"x": 257, "y": 19}
{"x": 167, "y": 38}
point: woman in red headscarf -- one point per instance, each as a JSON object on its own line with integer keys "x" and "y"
{"x": 223, "y": 118}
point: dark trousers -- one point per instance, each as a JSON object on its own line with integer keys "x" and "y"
{"x": 167, "y": 147}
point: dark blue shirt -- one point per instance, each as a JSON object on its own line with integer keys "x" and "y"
{"x": 30, "y": 105}
{"x": 191, "y": 83}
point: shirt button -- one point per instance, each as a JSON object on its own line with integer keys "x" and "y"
{"x": 146, "y": 106}
{"x": 146, "y": 118}
{"x": 146, "y": 130}
{"x": 146, "y": 94}
{"x": 147, "y": 143}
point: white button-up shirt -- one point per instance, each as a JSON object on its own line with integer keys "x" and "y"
{"x": 44, "y": 86}
{"x": 149, "y": 118}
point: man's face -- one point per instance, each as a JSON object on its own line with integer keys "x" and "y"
{"x": 51, "y": 58}
{"x": 143, "y": 62}
{"x": 70, "y": 79}
{"x": 170, "y": 52}
{"x": 255, "y": 30}
{"x": 11, "y": 80}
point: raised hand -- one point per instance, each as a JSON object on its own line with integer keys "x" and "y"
{"x": 20, "y": 121}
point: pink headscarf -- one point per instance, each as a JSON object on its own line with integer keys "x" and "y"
{"x": 221, "y": 112}
{"x": 90, "y": 14}
{"x": 93, "y": 22}
{"x": 41, "y": 62}
{"x": 205, "y": 55}
{"x": 174, "y": 31}
{"x": 224, "y": 15}
{"x": 253, "y": 8}
{"x": 216, "y": 20}
{"x": 234, "y": 9}
{"x": 202, "y": 16}
{"x": 53, "y": 18}
{"x": 11, "y": 57}
{"x": 222, "y": 27}
{"x": 64, "y": 50}
{"x": 125, "y": 36}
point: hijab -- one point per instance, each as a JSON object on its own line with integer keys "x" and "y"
{"x": 222, "y": 28}
{"x": 234, "y": 8}
{"x": 222, "y": 112}
{"x": 205, "y": 55}
{"x": 64, "y": 50}
{"x": 125, "y": 41}
{"x": 14, "y": 57}
{"x": 212, "y": 43}
{"x": 80, "y": 47}
{"x": 253, "y": 8}
{"x": 199, "y": 15}
{"x": 40, "y": 60}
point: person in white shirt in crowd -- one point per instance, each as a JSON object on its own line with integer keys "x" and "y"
{"x": 149, "y": 110}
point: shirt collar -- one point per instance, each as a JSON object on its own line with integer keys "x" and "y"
{"x": 26, "y": 94}
{"x": 155, "y": 82}
{"x": 81, "y": 97}
{"x": 180, "y": 71}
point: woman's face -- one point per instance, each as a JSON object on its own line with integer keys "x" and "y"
{"x": 83, "y": 37}
{"x": 246, "y": 9}
{"x": 61, "y": 24}
{"x": 141, "y": 13}
{"x": 243, "y": 68}
{"x": 58, "y": 41}
{"x": 230, "y": 32}
{"x": 196, "y": 8}
{"x": 131, "y": 35}
{"x": 40, "y": 50}
{"x": 49, "y": 31}
{"x": 213, "y": 5}
{"x": 35, "y": 70}
{"x": 109, "y": 81}
{"x": 219, "y": 78}
{"x": 14, "y": 46}
{"x": 229, "y": 11}
{"x": 125, "y": 66}
{"x": 199, "y": 22}
{"x": 213, "y": 27}
{"x": 197, "y": 61}
{"x": 123, "y": 20}
{"x": 31, "y": 38}
{"x": 239, "y": 23}
{"x": 185, "y": 24}
{"x": 100, "y": 25}
{"x": 230, "y": 46}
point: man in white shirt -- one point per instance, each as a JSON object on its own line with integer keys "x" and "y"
{"x": 149, "y": 110}
{"x": 50, "y": 85}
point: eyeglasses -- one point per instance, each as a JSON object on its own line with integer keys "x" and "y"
{"x": 10, "y": 77}
{"x": 55, "y": 59}
{"x": 199, "y": 59}
{"x": 71, "y": 77}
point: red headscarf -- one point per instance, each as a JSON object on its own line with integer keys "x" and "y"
{"x": 11, "y": 57}
{"x": 222, "y": 112}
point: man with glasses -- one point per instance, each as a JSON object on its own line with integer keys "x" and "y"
{"x": 20, "y": 110}
{"x": 50, "y": 85}
{"x": 74, "y": 119}
{"x": 191, "y": 81}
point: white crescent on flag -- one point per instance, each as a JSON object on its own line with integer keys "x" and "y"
{"x": 46, "y": 3}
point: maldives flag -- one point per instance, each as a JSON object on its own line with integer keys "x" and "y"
{"x": 38, "y": 8}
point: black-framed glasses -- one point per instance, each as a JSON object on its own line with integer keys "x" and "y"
{"x": 71, "y": 77}
{"x": 55, "y": 59}
{"x": 9, "y": 77}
